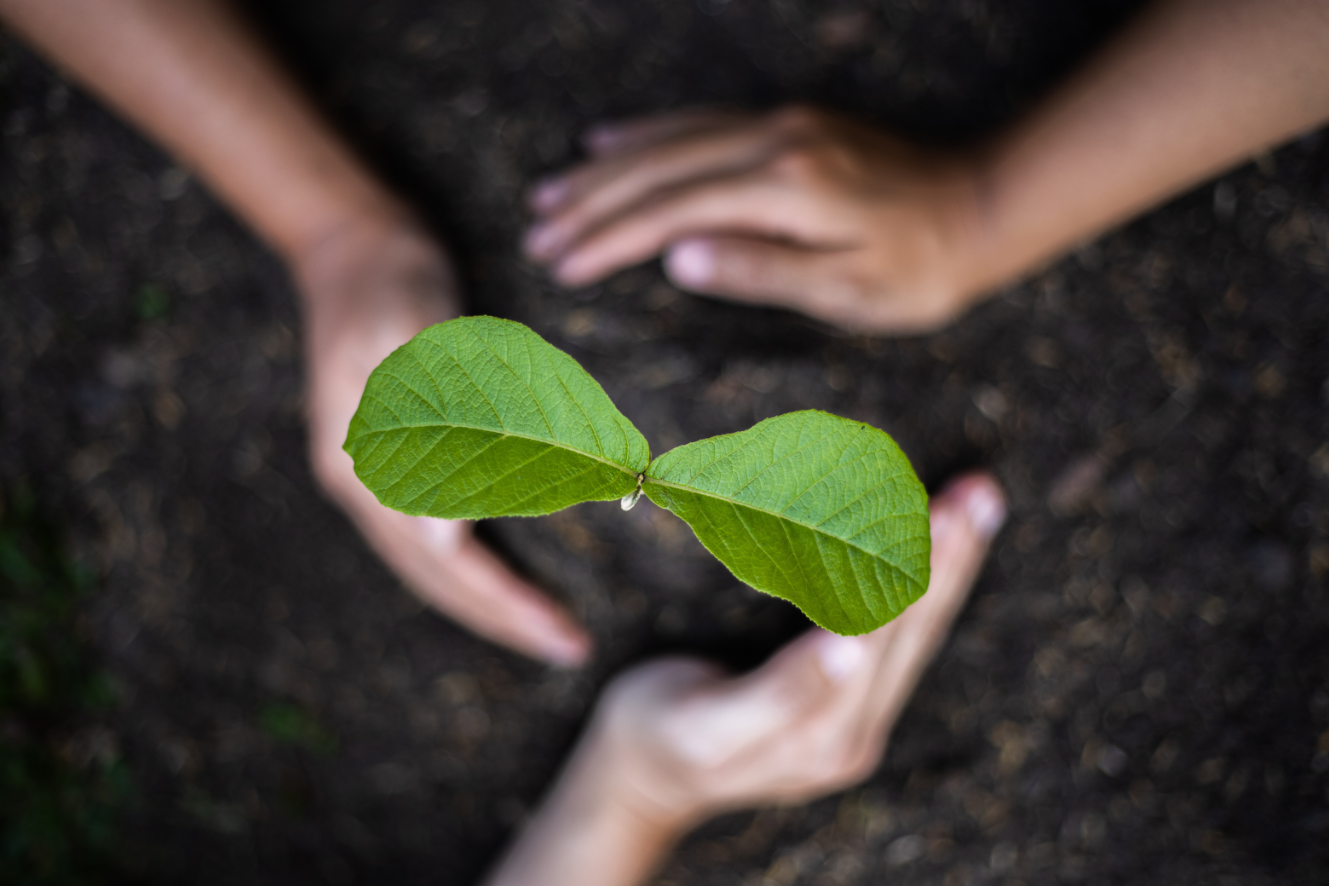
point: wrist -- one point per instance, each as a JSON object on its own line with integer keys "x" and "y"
{"x": 605, "y": 779}
{"x": 983, "y": 259}
{"x": 592, "y": 830}
{"x": 1016, "y": 226}
{"x": 310, "y": 242}
{"x": 370, "y": 257}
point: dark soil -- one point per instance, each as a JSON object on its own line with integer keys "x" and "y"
{"x": 1139, "y": 692}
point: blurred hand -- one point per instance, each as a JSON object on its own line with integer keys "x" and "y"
{"x": 677, "y": 741}
{"x": 368, "y": 289}
{"x": 798, "y": 208}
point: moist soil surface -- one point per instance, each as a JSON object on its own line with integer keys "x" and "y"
{"x": 1138, "y": 692}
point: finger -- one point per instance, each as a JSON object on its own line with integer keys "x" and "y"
{"x": 740, "y": 716}
{"x": 965, "y": 518}
{"x": 611, "y": 137}
{"x": 587, "y": 197}
{"x": 448, "y": 568}
{"x": 756, "y": 271}
{"x": 610, "y": 141}
{"x": 754, "y": 204}
{"x": 487, "y": 596}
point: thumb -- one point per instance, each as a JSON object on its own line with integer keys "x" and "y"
{"x": 810, "y": 672}
{"x": 751, "y": 270}
{"x": 482, "y": 592}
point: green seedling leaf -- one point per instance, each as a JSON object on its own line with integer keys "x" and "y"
{"x": 480, "y": 417}
{"x": 824, "y": 512}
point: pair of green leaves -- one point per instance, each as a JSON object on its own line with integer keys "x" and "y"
{"x": 480, "y": 417}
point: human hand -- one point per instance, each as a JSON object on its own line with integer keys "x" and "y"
{"x": 797, "y": 208}
{"x": 678, "y": 741}
{"x": 367, "y": 290}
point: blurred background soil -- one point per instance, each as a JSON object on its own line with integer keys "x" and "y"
{"x": 1139, "y": 691}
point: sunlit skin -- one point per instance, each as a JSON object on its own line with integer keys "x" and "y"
{"x": 818, "y": 213}
{"x": 677, "y": 740}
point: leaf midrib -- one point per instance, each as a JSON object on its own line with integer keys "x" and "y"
{"x": 419, "y": 427}
{"x": 780, "y": 515}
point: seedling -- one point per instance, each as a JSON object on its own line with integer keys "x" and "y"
{"x": 480, "y": 417}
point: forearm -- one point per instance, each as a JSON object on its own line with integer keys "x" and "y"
{"x": 584, "y": 834}
{"x": 193, "y": 77}
{"x": 1191, "y": 88}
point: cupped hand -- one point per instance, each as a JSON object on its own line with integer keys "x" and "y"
{"x": 679, "y": 741}
{"x": 367, "y": 289}
{"x": 797, "y": 208}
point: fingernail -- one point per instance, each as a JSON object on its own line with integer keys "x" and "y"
{"x": 691, "y": 262}
{"x": 541, "y": 240}
{"x": 987, "y": 510}
{"x": 839, "y": 656}
{"x": 549, "y": 193}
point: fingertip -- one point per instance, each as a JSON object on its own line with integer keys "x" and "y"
{"x": 691, "y": 263}
{"x": 567, "y": 651}
{"x": 552, "y": 633}
{"x": 987, "y": 509}
{"x": 514, "y": 612}
{"x": 548, "y": 194}
{"x": 979, "y": 499}
{"x": 549, "y": 634}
